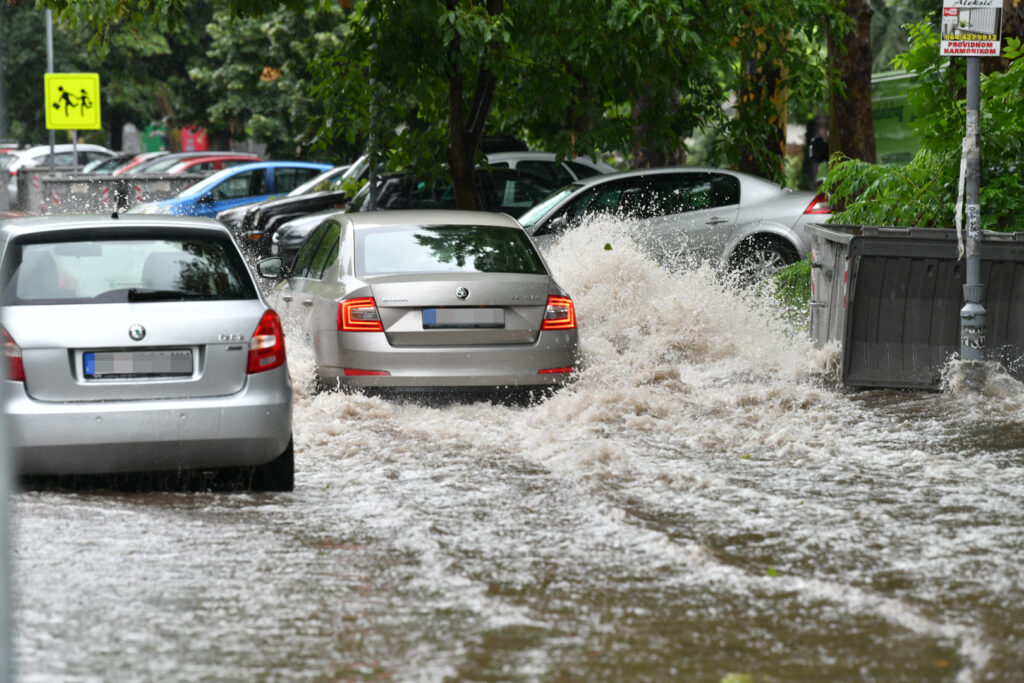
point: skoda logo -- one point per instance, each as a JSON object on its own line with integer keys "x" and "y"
{"x": 137, "y": 332}
{"x": 462, "y": 293}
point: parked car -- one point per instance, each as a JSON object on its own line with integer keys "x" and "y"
{"x": 500, "y": 189}
{"x": 547, "y": 165}
{"x": 205, "y": 165}
{"x": 741, "y": 222}
{"x": 139, "y": 159}
{"x": 235, "y": 186}
{"x": 107, "y": 165}
{"x": 428, "y": 300}
{"x": 140, "y": 344}
{"x": 504, "y": 190}
{"x": 331, "y": 179}
{"x": 254, "y": 224}
{"x": 64, "y": 155}
{"x": 163, "y": 162}
{"x": 290, "y": 235}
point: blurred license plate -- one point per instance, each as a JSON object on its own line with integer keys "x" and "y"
{"x": 463, "y": 317}
{"x": 110, "y": 364}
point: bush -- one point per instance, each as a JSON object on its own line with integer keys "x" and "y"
{"x": 924, "y": 192}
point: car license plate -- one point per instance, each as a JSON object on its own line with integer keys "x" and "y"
{"x": 125, "y": 364}
{"x": 434, "y": 318}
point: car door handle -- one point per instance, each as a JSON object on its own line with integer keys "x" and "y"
{"x": 286, "y": 298}
{"x": 308, "y": 303}
{"x": 716, "y": 220}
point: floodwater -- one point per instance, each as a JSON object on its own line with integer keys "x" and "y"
{"x": 706, "y": 503}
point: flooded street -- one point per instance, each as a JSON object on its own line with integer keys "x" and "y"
{"x": 706, "y": 503}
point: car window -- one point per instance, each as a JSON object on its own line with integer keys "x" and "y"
{"x": 245, "y": 184}
{"x": 287, "y": 179}
{"x": 325, "y": 252}
{"x": 519, "y": 191}
{"x": 679, "y": 193}
{"x": 554, "y": 173}
{"x": 300, "y": 268}
{"x": 582, "y": 170}
{"x": 621, "y": 197}
{"x": 445, "y": 248}
{"x": 93, "y": 270}
{"x": 88, "y": 156}
{"x": 542, "y": 208}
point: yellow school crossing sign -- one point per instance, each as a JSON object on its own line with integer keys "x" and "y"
{"x": 72, "y": 101}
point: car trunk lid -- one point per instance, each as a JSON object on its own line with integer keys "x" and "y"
{"x": 461, "y": 309}
{"x": 185, "y": 351}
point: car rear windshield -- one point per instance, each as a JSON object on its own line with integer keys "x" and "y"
{"x": 445, "y": 248}
{"x": 98, "y": 270}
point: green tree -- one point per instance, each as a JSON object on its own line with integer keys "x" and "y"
{"x": 142, "y": 67}
{"x": 256, "y": 78}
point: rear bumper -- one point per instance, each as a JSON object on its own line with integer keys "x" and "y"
{"x": 513, "y": 365}
{"x": 250, "y": 427}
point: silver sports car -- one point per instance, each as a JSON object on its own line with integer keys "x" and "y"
{"x": 141, "y": 344}
{"x": 738, "y": 221}
{"x": 428, "y": 300}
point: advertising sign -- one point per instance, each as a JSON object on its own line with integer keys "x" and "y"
{"x": 72, "y": 101}
{"x": 971, "y": 28}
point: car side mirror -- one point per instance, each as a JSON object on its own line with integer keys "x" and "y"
{"x": 273, "y": 268}
{"x": 205, "y": 199}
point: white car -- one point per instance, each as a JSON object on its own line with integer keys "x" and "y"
{"x": 62, "y": 155}
{"x": 547, "y": 165}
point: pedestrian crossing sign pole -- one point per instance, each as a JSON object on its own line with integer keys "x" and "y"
{"x": 72, "y": 101}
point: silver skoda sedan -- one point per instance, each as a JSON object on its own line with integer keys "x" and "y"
{"x": 428, "y": 300}
{"x": 141, "y": 344}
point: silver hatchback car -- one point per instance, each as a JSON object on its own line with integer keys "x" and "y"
{"x": 734, "y": 220}
{"x": 141, "y": 344}
{"x": 428, "y": 300}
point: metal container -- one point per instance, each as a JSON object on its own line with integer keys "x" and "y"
{"x": 891, "y": 297}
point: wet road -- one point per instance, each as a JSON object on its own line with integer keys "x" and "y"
{"x": 705, "y": 504}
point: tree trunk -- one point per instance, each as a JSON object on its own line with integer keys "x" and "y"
{"x": 851, "y": 126}
{"x": 466, "y": 125}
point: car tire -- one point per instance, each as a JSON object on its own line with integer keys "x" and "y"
{"x": 276, "y": 475}
{"x": 758, "y": 258}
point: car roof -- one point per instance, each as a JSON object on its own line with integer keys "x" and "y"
{"x": 29, "y": 225}
{"x": 377, "y": 219}
{"x": 639, "y": 172}
{"x": 547, "y": 156}
{"x": 203, "y": 158}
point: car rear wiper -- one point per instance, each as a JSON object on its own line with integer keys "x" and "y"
{"x": 167, "y": 295}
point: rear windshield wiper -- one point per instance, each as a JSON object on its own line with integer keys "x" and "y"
{"x": 167, "y": 295}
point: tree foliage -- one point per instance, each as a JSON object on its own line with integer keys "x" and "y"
{"x": 924, "y": 192}
{"x": 256, "y": 78}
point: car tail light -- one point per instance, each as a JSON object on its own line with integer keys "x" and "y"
{"x": 818, "y": 205}
{"x": 560, "y": 314}
{"x": 15, "y": 369}
{"x": 359, "y": 315}
{"x": 556, "y": 371}
{"x": 266, "y": 348}
{"x": 356, "y": 372}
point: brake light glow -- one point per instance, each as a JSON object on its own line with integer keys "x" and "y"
{"x": 266, "y": 348}
{"x": 359, "y": 315}
{"x": 818, "y": 205}
{"x": 560, "y": 314}
{"x": 14, "y": 369}
{"x": 556, "y": 371}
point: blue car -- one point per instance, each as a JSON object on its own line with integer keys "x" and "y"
{"x": 235, "y": 186}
